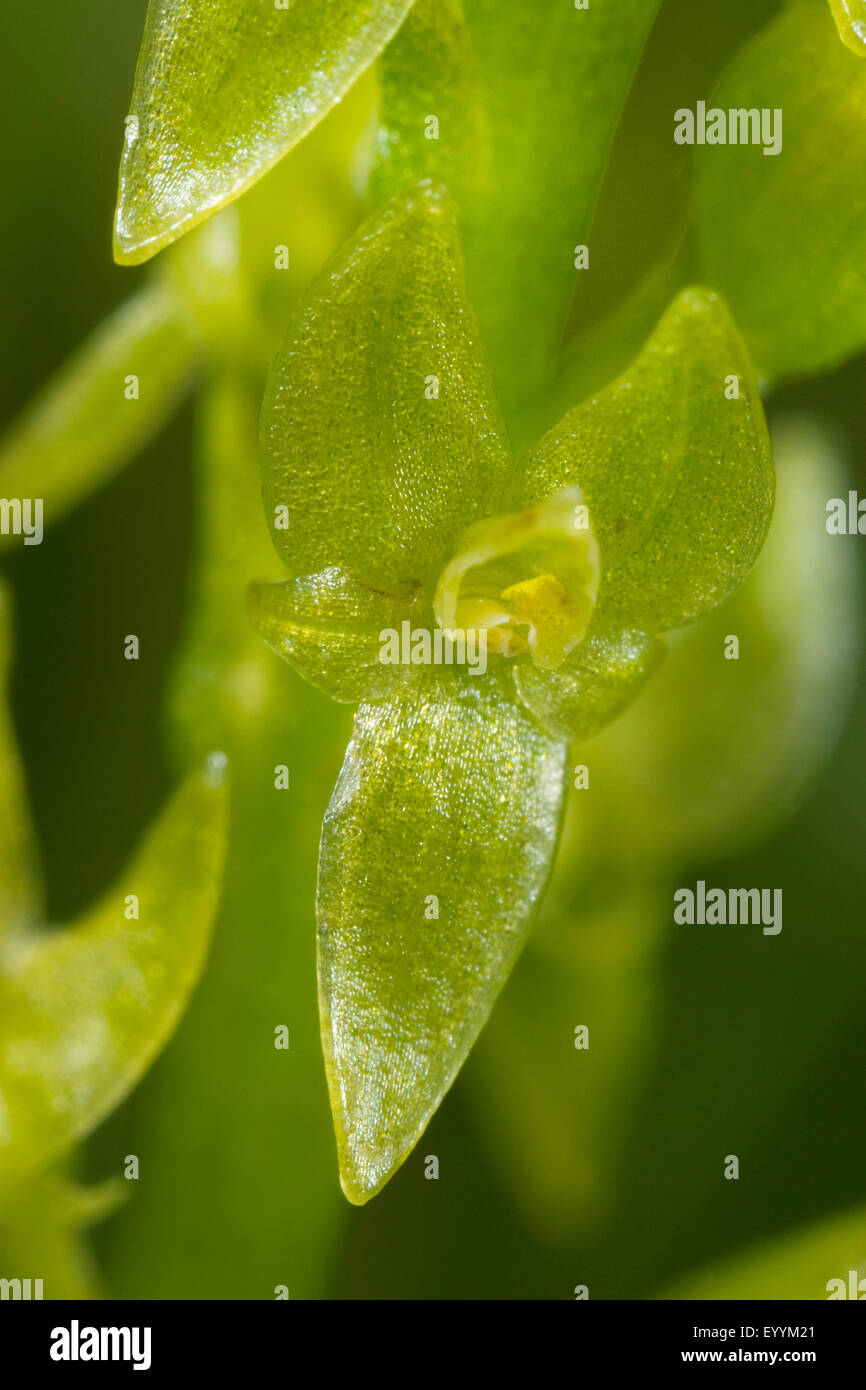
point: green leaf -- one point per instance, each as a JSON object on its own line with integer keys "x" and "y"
{"x": 436, "y": 846}
{"x": 784, "y": 236}
{"x": 327, "y": 626}
{"x": 719, "y": 750}
{"x": 850, "y": 16}
{"x": 677, "y": 477}
{"x": 276, "y": 1221}
{"x": 528, "y": 97}
{"x": 378, "y": 473}
{"x": 20, "y": 887}
{"x": 223, "y": 89}
{"x": 86, "y": 1008}
{"x": 431, "y": 72}
{"x": 82, "y": 427}
{"x": 217, "y": 299}
{"x": 799, "y": 1265}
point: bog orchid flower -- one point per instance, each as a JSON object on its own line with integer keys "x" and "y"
{"x": 395, "y": 498}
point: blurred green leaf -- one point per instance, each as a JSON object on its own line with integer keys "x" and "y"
{"x": 86, "y": 1008}
{"x": 718, "y": 749}
{"x": 40, "y": 1219}
{"x": 784, "y": 237}
{"x": 20, "y": 887}
{"x": 416, "y": 942}
{"x": 512, "y": 85}
{"x": 41, "y": 1233}
{"x": 214, "y": 302}
{"x": 850, "y": 16}
{"x": 220, "y": 680}
{"x": 799, "y": 1265}
{"x": 83, "y": 425}
{"x": 241, "y": 1195}
{"x": 223, "y": 89}
{"x": 676, "y": 474}
{"x": 374, "y": 472}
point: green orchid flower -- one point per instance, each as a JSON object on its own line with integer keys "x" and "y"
{"x": 397, "y": 504}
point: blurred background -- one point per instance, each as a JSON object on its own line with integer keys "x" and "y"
{"x": 743, "y": 1044}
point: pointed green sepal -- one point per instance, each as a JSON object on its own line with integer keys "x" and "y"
{"x": 86, "y": 1008}
{"x": 381, "y": 436}
{"x": 435, "y": 849}
{"x": 674, "y": 462}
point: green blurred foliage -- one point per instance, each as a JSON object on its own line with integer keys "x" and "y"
{"x": 73, "y": 436}
{"x": 85, "y": 1009}
{"x": 784, "y": 236}
{"x": 218, "y": 1214}
{"x": 803, "y": 1264}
